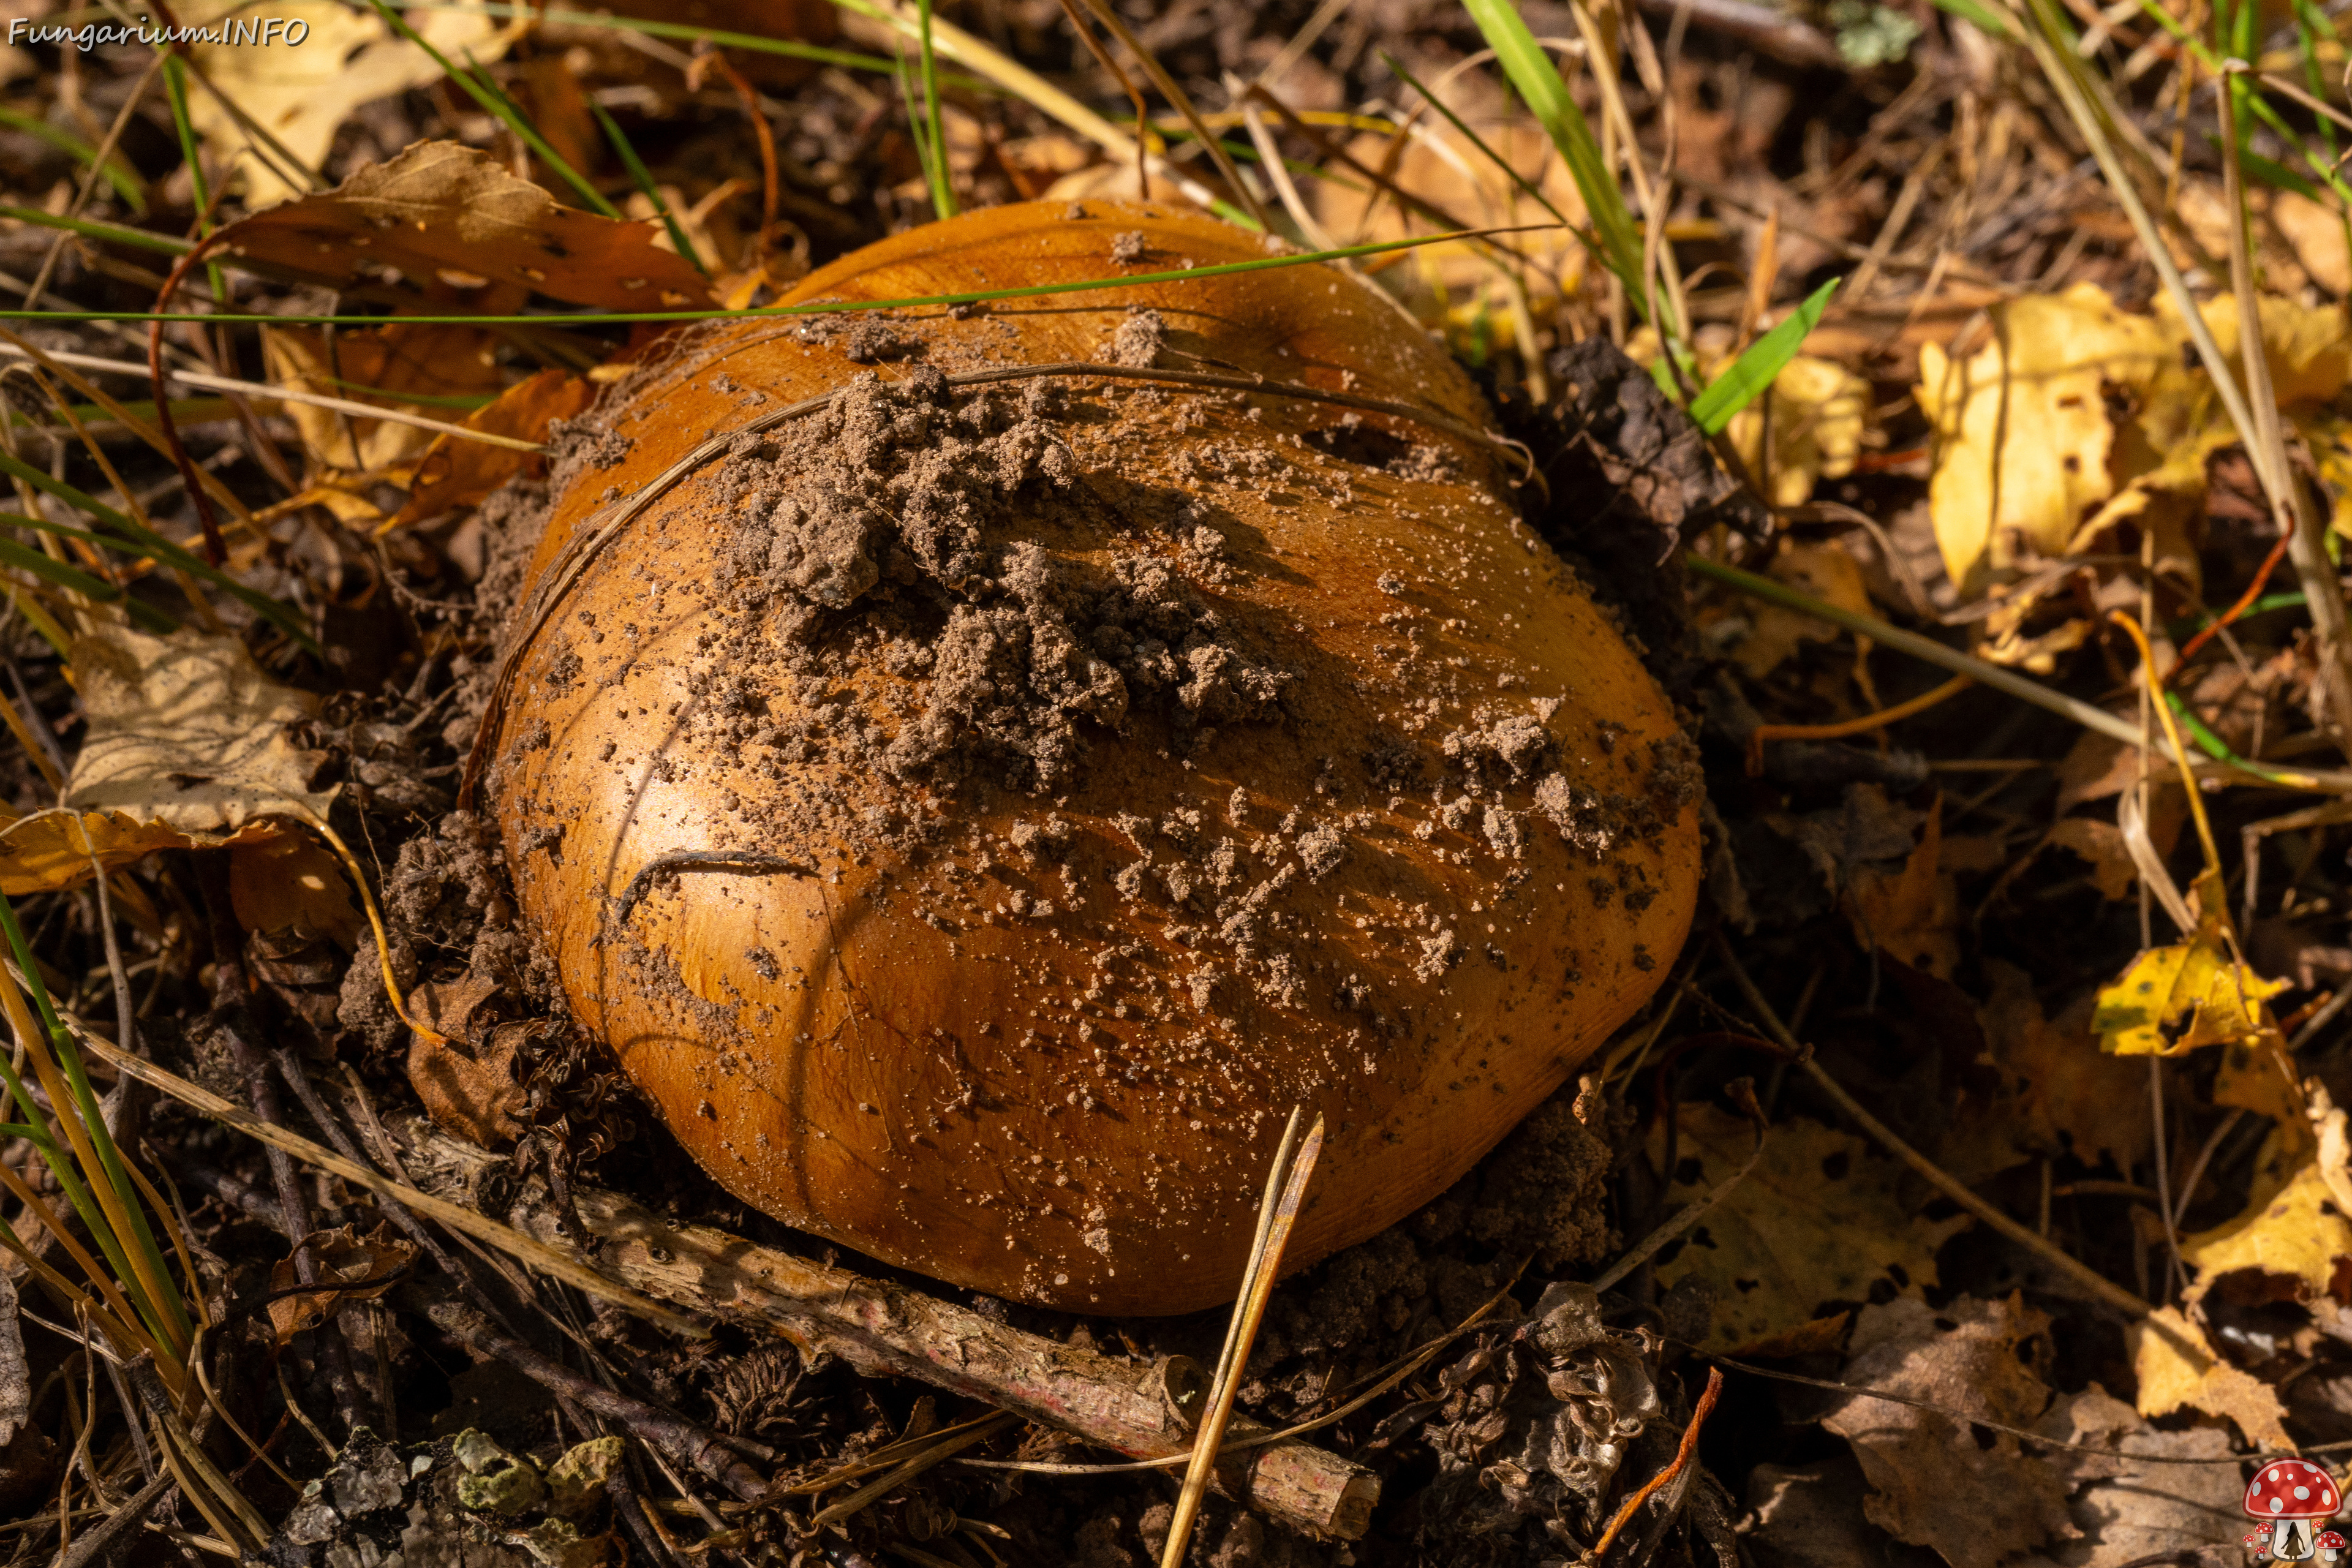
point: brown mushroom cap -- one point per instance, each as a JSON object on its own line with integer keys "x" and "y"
{"x": 1148, "y": 760}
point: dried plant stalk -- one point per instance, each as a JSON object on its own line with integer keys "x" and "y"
{"x": 884, "y": 1329}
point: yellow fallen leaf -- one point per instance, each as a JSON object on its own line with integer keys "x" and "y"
{"x": 2306, "y": 347}
{"x": 2256, "y": 1074}
{"x": 1818, "y": 413}
{"x": 2174, "y": 999}
{"x": 2178, "y": 1368}
{"x": 2021, "y": 431}
{"x": 1820, "y": 1219}
{"x": 2078, "y": 421}
{"x": 2297, "y": 1232}
{"x": 2328, "y": 435}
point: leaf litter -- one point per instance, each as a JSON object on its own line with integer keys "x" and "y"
{"x": 2000, "y": 1007}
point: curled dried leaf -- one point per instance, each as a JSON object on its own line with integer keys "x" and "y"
{"x": 350, "y": 1268}
{"x": 446, "y": 221}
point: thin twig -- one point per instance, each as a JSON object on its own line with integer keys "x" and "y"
{"x": 680, "y": 1438}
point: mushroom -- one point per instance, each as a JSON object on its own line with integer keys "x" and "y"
{"x": 2258, "y": 1544}
{"x": 2289, "y": 1495}
{"x": 976, "y": 806}
{"x": 2331, "y": 1545}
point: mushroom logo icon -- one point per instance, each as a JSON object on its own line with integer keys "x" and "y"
{"x": 2292, "y": 1496}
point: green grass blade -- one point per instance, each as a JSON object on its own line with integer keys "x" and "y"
{"x": 175, "y": 92}
{"x": 917, "y": 132}
{"x": 119, "y": 174}
{"x": 465, "y": 403}
{"x": 820, "y": 307}
{"x": 643, "y": 178}
{"x": 48, "y": 569}
{"x": 61, "y": 1167}
{"x": 123, "y": 535}
{"x": 1977, "y": 15}
{"x": 1755, "y": 369}
{"x": 184, "y": 410}
{"x": 1539, "y": 81}
{"x": 2263, "y": 171}
{"x": 92, "y": 228}
{"x": 171, "y": 1312}
{"x": 935, "y": 140}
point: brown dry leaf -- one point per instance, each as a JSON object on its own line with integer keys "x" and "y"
{"x": 2178, "y": 1368}
{"x": 2057, "y": 1092}
{"x": 446, "y": 216}
{"x": 430, "y": 362}
{"x": 467, "y": 1078}
{"x": 16, "y": 1376}
{"x": 1825, "y": 571}
{"x": 2314, "y": 232}
{"x": 1912, "y": 913}
{"x": 2138, "y": 1506}
{"x": 2113, "y": 871}
{"x": 1818, "y": 1220}
{"x": 187, "y": 747}
{"x": 293, "y": 884}
{"x": 1933, "y": 1482}
{"x": 455, "y": 473}
{"x": 302, "y": 95}
{"x": 350, "y": 1268}
{"x": 1810, "y": 1516}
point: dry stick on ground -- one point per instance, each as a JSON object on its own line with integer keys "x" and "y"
{"x": 888, "y": 1330}
{"x": 881, "y": 1330}
{"x": 676, "y": 1438}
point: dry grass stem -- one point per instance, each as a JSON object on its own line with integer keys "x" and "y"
{"x": 1285, "y": 1191}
